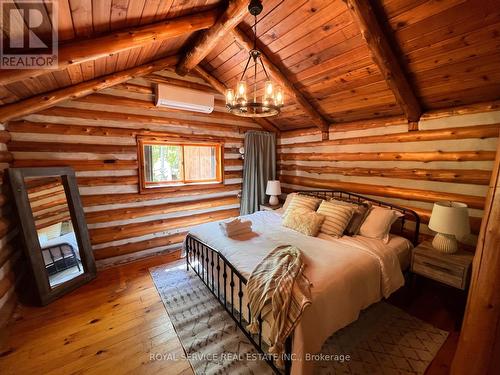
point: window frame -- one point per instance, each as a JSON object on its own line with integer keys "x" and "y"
{"x": 154, "y": 187}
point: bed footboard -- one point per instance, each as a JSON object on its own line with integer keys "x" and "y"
{"x": 226, "y": 284}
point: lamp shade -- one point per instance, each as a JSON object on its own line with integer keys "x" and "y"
{"x": 450, "y": 218}
{"x": 273, "y": 187}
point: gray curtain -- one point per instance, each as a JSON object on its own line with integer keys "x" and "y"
{"x": 259, "y": 167}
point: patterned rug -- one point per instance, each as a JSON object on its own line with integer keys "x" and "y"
{"x": 384, "y": 340}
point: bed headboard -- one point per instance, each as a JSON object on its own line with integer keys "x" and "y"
{"x": 356, "y": 198}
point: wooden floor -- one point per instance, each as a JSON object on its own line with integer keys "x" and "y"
{"x": 115, "y": 323}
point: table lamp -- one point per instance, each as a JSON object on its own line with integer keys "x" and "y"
{"x": 273, "y": 189}
{"x": 449, "y": 220}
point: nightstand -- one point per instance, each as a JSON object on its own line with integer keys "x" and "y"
{"x": 449, "y": 269}
{"x": 268, "y": 207}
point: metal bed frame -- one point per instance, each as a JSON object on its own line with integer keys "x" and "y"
{"x": 209, "y": 264}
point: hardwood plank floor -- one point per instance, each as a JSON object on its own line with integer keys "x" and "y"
{"x": 114, "y": 323}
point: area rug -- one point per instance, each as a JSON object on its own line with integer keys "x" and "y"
{"x": 384, "y": 340}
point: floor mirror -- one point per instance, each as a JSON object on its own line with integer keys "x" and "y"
{"x": 54, "y": 230}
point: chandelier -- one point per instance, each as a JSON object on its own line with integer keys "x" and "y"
{"x": 247, "y": 104}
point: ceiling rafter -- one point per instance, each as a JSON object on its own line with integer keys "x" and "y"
{"x": 91, "y": 49}
{"x": 39, "y": 102}
{"x": 232, "y": 16}
{"x": 385, "y": 58}
{"x": 220, "y": 87}
{"x": 277, "y": 73}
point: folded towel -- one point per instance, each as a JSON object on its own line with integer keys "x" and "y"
{"x": 240, "y": 232}
{"x": 236, "y": 227}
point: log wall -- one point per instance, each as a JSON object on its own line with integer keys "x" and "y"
{"x": 96, "y": 135}
{"x": 10, "y": 253}
{"x": 448, "y": 158}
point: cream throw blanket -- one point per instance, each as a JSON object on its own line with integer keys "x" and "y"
{"x": 278, "y": 286}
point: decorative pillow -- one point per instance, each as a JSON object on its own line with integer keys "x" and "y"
{"x": 360, "y": 212}
{"x": 288, "y": 199}
{"x": 378, "y": 223}
{"x": 337, "y": 216}
{"x": 303, "y": 201}
{"x": 303, "y": 220}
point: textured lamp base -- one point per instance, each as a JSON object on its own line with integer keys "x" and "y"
{"x": 445, "y": 243}
{"x": 273, "y": 201}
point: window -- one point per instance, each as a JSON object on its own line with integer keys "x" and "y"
{"x": 167, "y": 163}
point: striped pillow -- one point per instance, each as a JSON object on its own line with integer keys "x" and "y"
{"x": 303, "y": 201}
{"x": 359, "y": 214}
{"x": 337, "y": 218}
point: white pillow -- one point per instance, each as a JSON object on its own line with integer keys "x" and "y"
{"x": 378, "y": 223}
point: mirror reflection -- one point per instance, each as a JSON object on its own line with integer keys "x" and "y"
{"x": 54, "y": 227}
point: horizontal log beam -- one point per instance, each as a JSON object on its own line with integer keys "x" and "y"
{"x": 120, "y": 232}
{"x": 70, "y": 147}
{"x": 392, "y": 156}
{"x": 300, "y": 132}
{"x": 108, "y": 181}
{"x": 79, "y": 165}
{"x": 144, "y": 119}
{"x": 278, "y": 74}
{"x": 232, "y": 16}
{"x": 25, "y": 126}
{"x": 479, "y": 131}
{"x": 175, "y": 192}
{"x": 55, "y": 220}
{"x": 52, "y": 203}
{"x": 156, "y": 78}
{"x": 385, "y": 191}
{"x": 55, "y": 211}
{"x": 39, "y": 102}
{"x": 397, "y": 120}
{"x": 103, "y": 131}
{"x": 464, "y": 176}
{"x": 221, "y": 88}
{"x": 159, "y": 209}
{"x": 383, "y": 55}
{"x": 145, "y": 105}
{"x": 132, "y": 247}
{"x": 462, "y": 110}
{"x": 77, "y": 52}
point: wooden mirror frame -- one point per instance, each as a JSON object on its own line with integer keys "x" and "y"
{"x": 32, "y": 246}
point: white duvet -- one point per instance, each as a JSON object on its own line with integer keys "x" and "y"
{"x": 347, "y": 274}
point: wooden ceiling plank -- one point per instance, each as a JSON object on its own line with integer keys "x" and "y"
{"x": 92, "y": 49}
{"x": 232, "y": 16}
{"x": 282, "y": 80}
{"x": 43, "y": 101}
{"x": 220, "y": 87}
{"x": 384, "y": 57}
{"x": 81, "y": 14}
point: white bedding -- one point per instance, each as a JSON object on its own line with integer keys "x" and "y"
{"x": 347, "y": 274}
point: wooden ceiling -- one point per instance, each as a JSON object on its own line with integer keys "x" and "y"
{"x": 449, "y": 52}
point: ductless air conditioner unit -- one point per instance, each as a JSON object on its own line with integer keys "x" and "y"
{"x": 184, "y": 99}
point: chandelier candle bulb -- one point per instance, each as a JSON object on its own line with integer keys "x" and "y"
{"x": 279, "y": 97}
{"x": 241, "y": 94}
{"x": 269, "y": 90}
{"x": 229, "y": 97}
